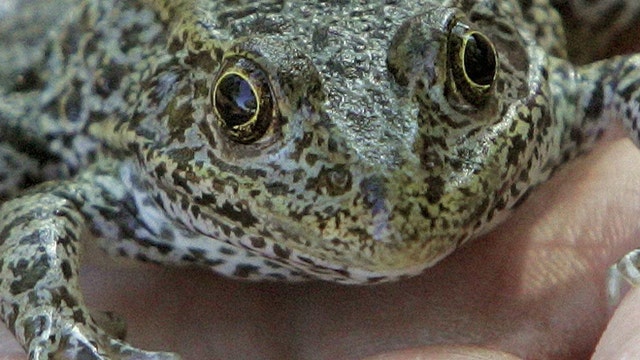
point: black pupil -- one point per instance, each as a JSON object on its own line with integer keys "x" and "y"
{"x": 479, "y": 60}
{"x": 235, "y": 100}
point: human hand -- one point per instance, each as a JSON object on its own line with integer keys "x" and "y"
{"x": 533, "y": 287}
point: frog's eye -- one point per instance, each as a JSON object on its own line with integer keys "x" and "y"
{"x": 242, "y": 101}
{"x": 474, "y": 64}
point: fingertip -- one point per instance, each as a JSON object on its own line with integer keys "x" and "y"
{"x": 446, "y": 352}
{"x": 621, "y": 339}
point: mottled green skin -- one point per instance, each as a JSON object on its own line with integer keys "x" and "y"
{"x": 376, "y": 155}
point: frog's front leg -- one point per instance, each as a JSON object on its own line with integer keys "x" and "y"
{"x": 39, "y": 292}
{"x": 611, "y": 92}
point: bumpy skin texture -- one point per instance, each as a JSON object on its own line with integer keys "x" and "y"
{"x": 385, "y": 136}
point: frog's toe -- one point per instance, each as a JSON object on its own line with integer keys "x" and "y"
{"x": 120, "y": 350}
{"x": 627, "y": 268}
{"x": 111, "y": 323}
{"x": 125, "y": 351}
{"x": 88, "y": 343}
{"x": 116, "y": 350}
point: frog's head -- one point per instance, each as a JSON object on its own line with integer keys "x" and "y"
{"x": 363, "y": 143}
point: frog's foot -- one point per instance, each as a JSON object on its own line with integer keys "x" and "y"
{"x": 627, "y": 268}
{"x": 83, "y": 348}
{"x": 40, "y": 299}
{"x": 62, "y": 334}
{"x": 110, "y": 322}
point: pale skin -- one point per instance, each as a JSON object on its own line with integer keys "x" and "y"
{"x": 533, "y": 287}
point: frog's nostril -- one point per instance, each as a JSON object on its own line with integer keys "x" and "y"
{"x": 333, "y": 182}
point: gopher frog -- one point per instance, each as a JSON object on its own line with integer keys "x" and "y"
{"x": 349, "y": 141}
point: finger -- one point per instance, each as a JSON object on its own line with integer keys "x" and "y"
{"x": 621, "y": 339}
{"x": 442, "y": 352}
{"x": 9, "y": 348}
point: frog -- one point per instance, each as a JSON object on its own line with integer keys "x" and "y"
{"x": 344, "y": 141}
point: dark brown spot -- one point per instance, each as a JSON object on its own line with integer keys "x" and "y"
{"x": 195, "y": 210}
{"x": 334, "y": 181}
{"x": 28, "y": 273}
{"x": 281, "y": 251}
{"x": 160, "y": 170}
{"x": 205, "y": 199}
{"x": 245, "y": 270}
{"x": 258, "y": 242}
{"x": 65, "y": 267}
{"x": 108, "y": 78}
{"x": 28, "y": 81}
{"x": 227, "y": 251}
{"x": 518, "y": 146}
{"x": 238, "y": 213}
{"x": 435, "y": 189}
{"x": 180, "y": 181}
